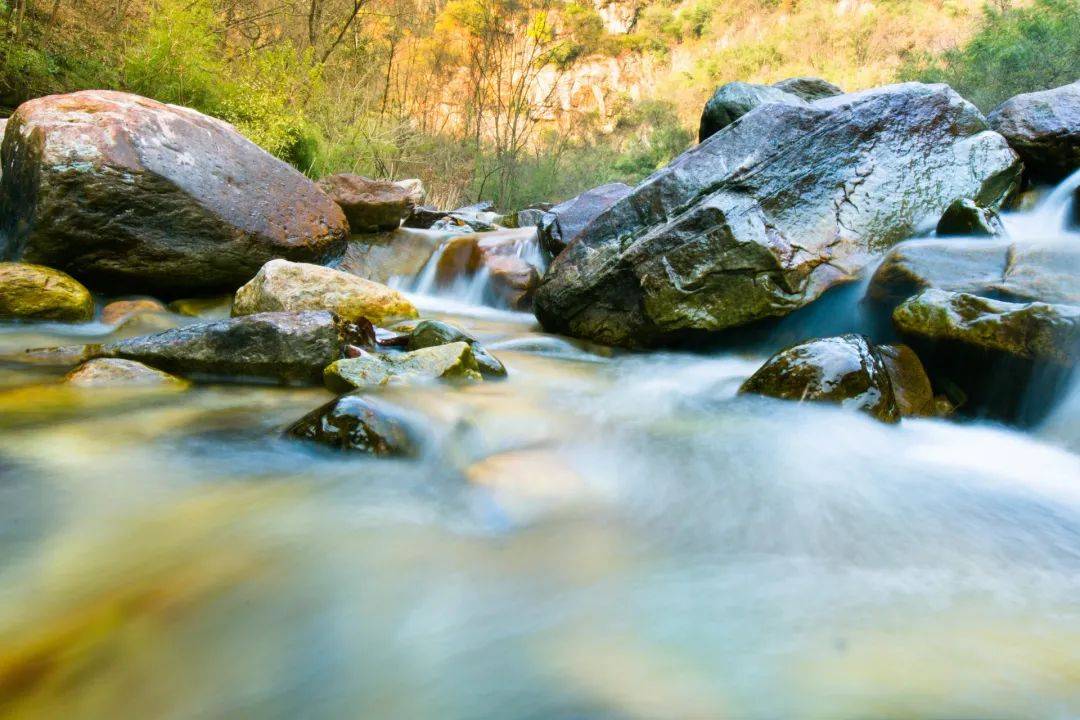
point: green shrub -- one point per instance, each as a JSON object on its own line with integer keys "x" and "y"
{"x": 1015, "y": 50}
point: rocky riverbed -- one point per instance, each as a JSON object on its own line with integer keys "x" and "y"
{"x": 791, "y": 429}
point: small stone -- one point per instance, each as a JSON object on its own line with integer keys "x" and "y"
{"x": 206, "y": 308}
{"x": 114, "y": 372}
{"x": 369, "y": 205}
{"x": 911, "y": 385}
{"x": 432, "y": 333}
{"x": 808, "y": 88}
{"x": 454, "y": 361}
{"x": 35, "y": 292}
{"x": 965, "y": 217}
{"x": 118, "y": 311}
{"x": 352, "y": 422}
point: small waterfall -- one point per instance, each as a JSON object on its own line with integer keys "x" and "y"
{"x": 1049, "y": 218}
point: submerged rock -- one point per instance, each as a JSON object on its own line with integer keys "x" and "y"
{"x": 35, "y": 292}
{"x": 283, "y": 346}
{"x": 207, "y": 308}
{"x": 770, "y": 212}
{"x": 283, "y": 285}
{"x": 964, "y": 217}
{"x": 370, "y": 205}
{"x": 512, "y": 280}
{"x": 845, "y": 370}
{"x": 118, "y": 311}
{"x": 131, "y": 194}
{"x": 1044, "y": 127}
{"x": 735, "y": 99}
{"x": 1032, "y": 331}
{"x": 557, "y": 227}
{"x": 382, "y": 257}
{"x": 453, "y": 361}
{"x": 911, "y": 385}
{"x": 1045, "y": 271}
{"x": 353, "y": 422}
{"x": 431, "y": 333}
{"x": 115, "y": 372}
{"x": 808, "y": 88}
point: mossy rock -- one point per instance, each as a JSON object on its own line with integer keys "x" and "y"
{"x": 454, "y": 361}
{"x": 35, "y": 292}
{"x": 115, "y": 372}
{"x": 432, "y": 333}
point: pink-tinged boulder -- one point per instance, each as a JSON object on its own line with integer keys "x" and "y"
{"x": 369, "y": 205}
{"x": 126, "y": 193}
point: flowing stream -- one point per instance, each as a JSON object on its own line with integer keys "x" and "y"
{"x": 601, "y": 535}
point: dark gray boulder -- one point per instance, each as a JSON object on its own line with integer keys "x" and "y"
{"x": 845, "y": 370}
{"x": 733, "y": 100}
{"x": 808, "y": 88}
{"x": 1044, "y": 271}
{"x": 965, "y": 217}
{"x": 359, "y": 424}
{"x": 559, "y": 226}
{"x": 1044, "y": 127}
{"x": 770, "y": 212}
{"x": 126, "y": 193}
{"x": 282, "y": 346}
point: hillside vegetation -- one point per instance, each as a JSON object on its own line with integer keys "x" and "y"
{"x": 515, "y": 100}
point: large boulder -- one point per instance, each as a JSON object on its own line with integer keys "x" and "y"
{"x": 453, "y": 361}
{"x": 282, "y": 346}
{"x": 357, "y": 423}
{"x": 770, "y": 212}
{"x": 845, "y": 370}
{"x": 808, "y": 88}
{"x": 1009, "y": 361}
{"x": 281, "y": 285}
{"x": 34, "y": 292}
{"x": 735, "y": 99}
{"x": 369, "y": 205}
{"x": 1044, "y": 127}
{"x": 1046, "y": 271}
{"x": 558, "y": 227}
{"x": 127, "y": 193}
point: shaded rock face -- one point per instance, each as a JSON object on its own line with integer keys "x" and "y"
{"x": 845, "y": 370}
{"x": 911, "y": 385}
{"x": 126, "y": 193}
{"x": 114, "y": 372}
{"x": 281, "y": 285}
{"x": 808, "y": 88}
{"x": 453, "y": 361}
{"x": 770, "y": 212}
{"x": 369, "y": 205}
{"x": 430, "y": 333}
{"x": 733, "y": 100}
{"x": 964, "y": 217}
{"x": 356, "y": 423}
{"x": 1025, "y": 271}
{"x": 1009, "y": 361}
{"x": 1044, "y": 127}
{"x": 558, "y": 227}
{"x": 34, "y": 292}
{"x": 287, "y": 347}
{"x": 424, "y": 216}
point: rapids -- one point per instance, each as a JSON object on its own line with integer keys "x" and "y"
{"x": 602, "y": 535}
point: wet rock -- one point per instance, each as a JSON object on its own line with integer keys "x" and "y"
{"x": 845, "y": 370}
{"x": 431, "y": 333}
{"x": 458, "y": 257}
{"x": 964, "y": 217}
{"x": 114, "y": 372}
{"x": 1030, "y": 270}
{"x": 558, "y": 227}
{"x": 369, "y": 205}
{"x": 206, "y": 308}
{"x": 910, "y": 383}
{"x": 281, "y": 285}
{"x": 1032, "y": 331}
{"x": 1044, "y": 127}
{"x": 35, "y": 292}
{"x": 354, "y": 422}
{"x": 455, "y": 222}
{"x": 454, "y": 361}
{"x": 1007, "y": 361}
{"x": 126, "y": 193}
{"x": 513, "y": 280}
{"x": 532, "y": 216}
{"x": 283, "y": 346}
{"x": 733, "y": 100}
{"x": 808, "y": 88}
{"x": 424, "y": 216}
{"x": 118, "y": 311}
{"x": 381, "y": 257}
{"x": 772, "y": 211}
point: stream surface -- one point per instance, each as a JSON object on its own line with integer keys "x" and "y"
{"x": 601, "y": 535}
